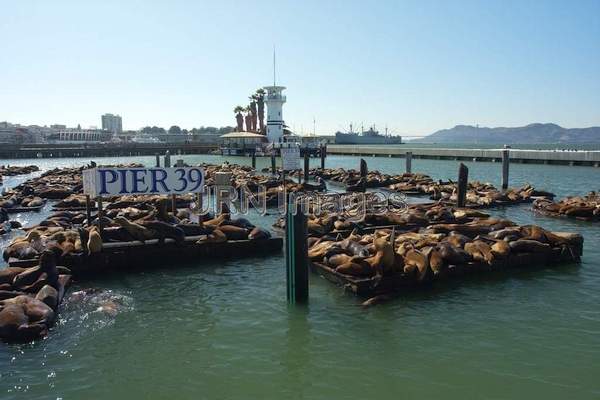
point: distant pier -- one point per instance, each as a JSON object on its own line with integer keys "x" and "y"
{"x": 102, "y": 150}
{"x": 556, "y": 157}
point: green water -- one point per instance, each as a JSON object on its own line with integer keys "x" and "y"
{"x": 214, "y": 330}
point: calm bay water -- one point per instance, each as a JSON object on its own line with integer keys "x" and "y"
{"x": 223, "y": 329}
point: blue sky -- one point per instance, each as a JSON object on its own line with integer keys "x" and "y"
{"x": 417, "y": 66}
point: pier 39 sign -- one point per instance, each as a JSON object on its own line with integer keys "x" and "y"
{"x": 124, "y": 181}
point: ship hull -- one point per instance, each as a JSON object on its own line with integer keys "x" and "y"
{"x": 356, "y": 139}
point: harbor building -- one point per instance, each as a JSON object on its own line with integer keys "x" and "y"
{"x": 112, "y": 123}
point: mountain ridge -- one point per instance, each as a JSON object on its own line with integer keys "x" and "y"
{"x": 534, "y": 133}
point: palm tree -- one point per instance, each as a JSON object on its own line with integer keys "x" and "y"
{"x": 260, "y": 102}
{"x": 248, "y": 119}
{"x": 239, "y": 118}
{"x": 253, "y": 111}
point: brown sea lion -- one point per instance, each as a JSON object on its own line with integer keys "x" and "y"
{"x": 94, "y": 244}
{"x": 259, "y": 233}
{"x": 338, "y": 259}
{"x": 480, "y": 251}
{"x": 529, "y": 246}
{"x": 216, "y": 236}
{"x": 355, "y": 269}
{"x": 48, "y": 295}
{"x": 165, "y": 230}
{"x": 7, "y": 275}
{"x": 453, "y": 255}
{"x": 137, "y": 231}
{"x": 415, "y": 261}
{"x": 500, "y": 249}
{"x": 233, "y": 232}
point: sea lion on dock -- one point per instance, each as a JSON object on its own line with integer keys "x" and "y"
{"x": 500, "y": 249}
{"x": 94, "y": 244}
{"x": 239, "y": 222}
{"x": 454, "y": 255}
{"x": 355, "y": 269}
{"x": 216, "y": 236}
{"x": 336, "y": 260}
{"x": 137, "y": 231}
{"x": 416, "y": 262}
{"x": 529, "y": 246}
{"x": 480, "y": 251}
{"x": 44, "y": 273}
{"x": 164, "y": 230}
{"x": 233, "y": 232}
{"x": 259, "y": 233}
{"x": 24, "y": 318}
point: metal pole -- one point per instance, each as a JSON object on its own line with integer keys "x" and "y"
{"x": 463, "y": 178}
{"x": 157, "y": 161}
{"x": 505, "y": 167}
{"x": 409, "y": 162}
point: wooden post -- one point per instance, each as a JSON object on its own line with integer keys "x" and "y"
{"x": 88, "y": 209}
{"x": 323, "y": 154}
{"x": 168, "y": 159}
{"x": 179, "y": 163}
{"x": 157, "y": 161}
{"x": 463, "y": 178}
{"x": 254, "y": 159}
{"x": 99, "y": 215}
{"x": 505, "y": 165}
{"x": 273, "y": 166}
{"x": 296, "y": 255}
{"x": 409, "y": 162}
{"x": 306, "y": 166}
{"x": 174, "y": 204}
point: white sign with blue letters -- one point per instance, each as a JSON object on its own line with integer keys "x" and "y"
{"x": 124, "y": 181}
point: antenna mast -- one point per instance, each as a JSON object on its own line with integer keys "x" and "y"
{"x": 274, "y": 66}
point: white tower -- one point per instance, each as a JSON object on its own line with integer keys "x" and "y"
{"x": 274, "y": 100}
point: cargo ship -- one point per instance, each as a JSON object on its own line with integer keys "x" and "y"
{"x": 371, "y": 136}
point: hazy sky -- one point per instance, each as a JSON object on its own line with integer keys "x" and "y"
{"x": 416, "y": 66}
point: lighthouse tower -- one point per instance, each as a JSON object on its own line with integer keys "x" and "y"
{"x": 274, "y": 100}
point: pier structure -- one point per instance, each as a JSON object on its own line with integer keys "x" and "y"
{"x": 557, "y": 157}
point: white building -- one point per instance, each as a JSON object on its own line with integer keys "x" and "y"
{"x": 274, "y": 100}
{"x": 112, "y": 123}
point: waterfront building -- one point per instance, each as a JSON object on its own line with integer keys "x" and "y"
{"x": 81, "y": 135}
{"x": 112, "y": 123}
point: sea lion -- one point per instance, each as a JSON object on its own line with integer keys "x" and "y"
{"x": 216, "y": 221}
{"x": 259, "y": 233}
{"x": 500, "y": 249}
{"x": 480, "y": 251}
{"x": 216, "y": 236}
{"x": 529, "y": 246}
{"x": 195, "y": 229}
{"x": 239, "y": 222}
{"x": 436, "y": 261}
{"x": 165, "y": 230}
{"x": 338, "y": 259}
{"x": 453, "y": 255}
{"x": 24, "y": 318}
{"x": 355, "y": 269}
{"x": 137, "y": 231}
{"x": 94, "y": 244}
{"x": 7, "y": 275}
{"x": 233, "y": 232}
{"x": 48, "y": 295}
{"x": 416, "y": 262}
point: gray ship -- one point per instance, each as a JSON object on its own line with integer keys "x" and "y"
{"x": 366, "y": 137}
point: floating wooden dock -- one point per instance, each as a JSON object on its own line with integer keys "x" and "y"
{"x": 394, "y": 284}
{"x": 122, "y": 256}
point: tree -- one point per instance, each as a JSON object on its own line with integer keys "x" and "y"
{"x": 174, "y": 130}
{"x": 239, "y": 118}
{"x": 253, "y": 113}
{"x": 248, "y": 119}
{"x": 260, "y": 102}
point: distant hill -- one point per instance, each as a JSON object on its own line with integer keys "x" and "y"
{"x": 530, "y": 134}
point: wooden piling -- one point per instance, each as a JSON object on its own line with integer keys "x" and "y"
{"x": 273, "y": 166}
{"x": 323, "y": 154}
{"x": 296, "y": 255}
{"x": 409, "y": 161}
{"x": 505, "y": 167}
{"x": 306, "y": 166}
{"x": 157, "y": 161}
{"x": 463, "y": 178}
{"x": 254, "y": 159}
{"x": 99, "y": 215}
{"x": 88, "y": 209}
{"x": 168, "y": 159}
